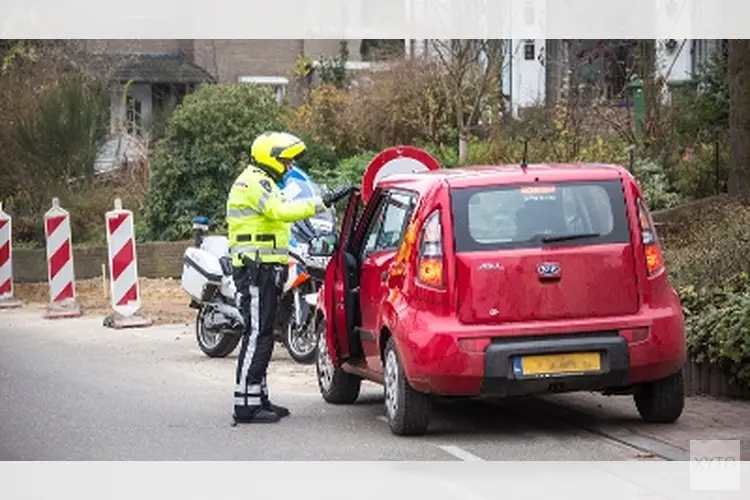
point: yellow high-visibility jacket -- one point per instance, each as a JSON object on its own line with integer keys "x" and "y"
{"x": 259, "y": 218}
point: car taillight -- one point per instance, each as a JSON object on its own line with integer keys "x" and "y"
{"x": 651, "y": 246}
{"x": 430, "y": 262}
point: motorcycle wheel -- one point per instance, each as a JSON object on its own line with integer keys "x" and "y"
{"x": 301, "y": 342}
{"x": 213, "y": 344}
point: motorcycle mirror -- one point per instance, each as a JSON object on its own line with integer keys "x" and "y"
{"x": 320, "y": 247}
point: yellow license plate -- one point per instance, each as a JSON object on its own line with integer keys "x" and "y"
{"x": 557, "y": 364}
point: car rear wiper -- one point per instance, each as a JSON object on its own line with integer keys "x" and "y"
{"x": 568, "y": 237}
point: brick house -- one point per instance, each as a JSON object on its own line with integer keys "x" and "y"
{"x": 161, "y": 71}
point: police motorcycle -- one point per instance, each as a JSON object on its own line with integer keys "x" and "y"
{"x": 207, "y": 279}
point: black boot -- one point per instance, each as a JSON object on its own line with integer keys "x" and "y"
{"x": 261, "y": 415}
{"x": 279, "y": 410}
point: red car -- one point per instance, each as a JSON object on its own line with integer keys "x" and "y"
{"x": 498, "y": 281}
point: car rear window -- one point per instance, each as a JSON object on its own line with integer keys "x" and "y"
{"x": 540, "y": 214}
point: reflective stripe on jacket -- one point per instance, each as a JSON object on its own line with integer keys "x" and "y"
{"x": 259, "y": 217}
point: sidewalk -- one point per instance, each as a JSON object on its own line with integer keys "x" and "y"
{"x": 703, "y": 418}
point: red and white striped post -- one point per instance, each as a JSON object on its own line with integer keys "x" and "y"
{"x": 60, "y": 274}
{"x": 125, "y": 291}
{"x": 7, "y": 300}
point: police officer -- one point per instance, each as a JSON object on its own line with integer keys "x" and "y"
{"x": 259, "y": 219}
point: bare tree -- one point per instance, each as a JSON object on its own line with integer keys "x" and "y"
{"x": 471, "y": 76}
{"x": 739, "y": 117}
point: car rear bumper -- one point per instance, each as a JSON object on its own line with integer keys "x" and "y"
{"x": 446, "y": 364}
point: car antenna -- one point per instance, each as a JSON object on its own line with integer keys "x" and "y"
{"x": 524, "y": 159}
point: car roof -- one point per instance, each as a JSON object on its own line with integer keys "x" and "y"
{"x": 482, "y": 175}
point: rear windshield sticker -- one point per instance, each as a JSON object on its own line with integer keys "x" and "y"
{"x": 539, "y": 192}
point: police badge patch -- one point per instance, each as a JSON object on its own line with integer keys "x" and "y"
{"x": 266, "y": 185}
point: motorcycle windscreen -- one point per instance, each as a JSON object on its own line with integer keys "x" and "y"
{"x": 393, "y": 161}
{"x": 297, "y": 186}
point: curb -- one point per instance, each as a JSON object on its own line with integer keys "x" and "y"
{"x": 622, "y": 435}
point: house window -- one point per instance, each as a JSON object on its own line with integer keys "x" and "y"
{"x": 703, "y": 51}
{"x": 528, "y": 50}
{"x": 277, "y": 83}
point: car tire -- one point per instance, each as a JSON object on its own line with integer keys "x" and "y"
{"x": 407, "y": 411}
{"x": 661, "y": 401}
{"x": 336, "y": 386}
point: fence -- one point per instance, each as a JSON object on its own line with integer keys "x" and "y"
{"x": 710, "y": 380}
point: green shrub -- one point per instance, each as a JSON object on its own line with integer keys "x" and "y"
{"x": 58, "y": 139}
{"x": 446, "y": 155}
{"x": 655, "y": 185}
{"x": 695, "y": 174}
{"x": 205, "y": 146}
{"x": 319, "y": 159}
{"x": 718, "y": 326}
{"x": 707, "y": 109}
{"x": 351, "y": 169}
{"x": 700, "y": 120}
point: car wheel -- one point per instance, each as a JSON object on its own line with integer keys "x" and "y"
{"x": 661, "y": 401}
{"x": 336, "y": 386}
{"x": 407, "y": 411}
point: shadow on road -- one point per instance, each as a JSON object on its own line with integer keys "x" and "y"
{"x": 508, "y": 417}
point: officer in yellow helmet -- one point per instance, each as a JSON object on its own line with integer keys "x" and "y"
{"x": 259, "y": 220}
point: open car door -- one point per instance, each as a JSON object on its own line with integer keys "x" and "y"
{"x": 341, "y": 290}
{"x": 341, "y": 287}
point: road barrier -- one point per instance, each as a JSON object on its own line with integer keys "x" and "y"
{"x": 7, "y": 300}
{"x": 60, "y": 272}
{"x": 123, "y": 270}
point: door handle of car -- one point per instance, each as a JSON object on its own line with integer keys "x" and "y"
{"x": 384, "y": 275}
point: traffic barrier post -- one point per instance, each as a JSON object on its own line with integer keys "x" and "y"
{"x": 7, "y": 300}
{"x": 125, "y": 292}
{"x": 60, "y": 272}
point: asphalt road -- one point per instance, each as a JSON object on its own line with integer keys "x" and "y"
{"x": 74, "y": 390}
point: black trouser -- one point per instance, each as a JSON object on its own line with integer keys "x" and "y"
{"x": 258, "y": 287}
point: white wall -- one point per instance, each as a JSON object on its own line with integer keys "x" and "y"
{"x": 674, "y": 64}
{"x": 524, "y": 80}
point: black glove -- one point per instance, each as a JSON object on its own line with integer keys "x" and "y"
{"x": 332, "y": 197}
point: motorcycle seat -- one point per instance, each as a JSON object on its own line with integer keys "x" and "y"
{"x": 225, "y": 262}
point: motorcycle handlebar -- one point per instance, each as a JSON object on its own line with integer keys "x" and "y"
{"x": 303, "y": 264}
{"x": 296, "y": 257}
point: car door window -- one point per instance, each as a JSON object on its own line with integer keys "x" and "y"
{"x": 372, "y": 231}
{"x": 389, "y": 223}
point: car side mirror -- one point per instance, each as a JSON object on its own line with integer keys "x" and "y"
{"x": 321, "y": 247}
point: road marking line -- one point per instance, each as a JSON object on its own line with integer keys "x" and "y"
{"x": 460, "y": 453}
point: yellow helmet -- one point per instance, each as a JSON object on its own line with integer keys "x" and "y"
{"x": 275, "y": 150}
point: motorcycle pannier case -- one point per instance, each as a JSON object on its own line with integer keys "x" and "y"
{"x": 201, "y": 274}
